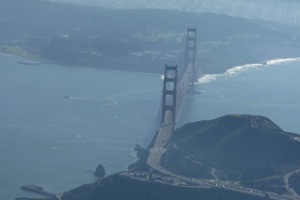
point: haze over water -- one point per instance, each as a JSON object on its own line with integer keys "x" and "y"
{"x": 271, "y": 90}
{"x": 58, "y": 123}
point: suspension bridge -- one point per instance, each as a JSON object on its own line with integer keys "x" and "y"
{"x": 174, "y": 88}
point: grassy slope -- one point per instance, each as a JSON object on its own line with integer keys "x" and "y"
{"x": 241, "y": 148}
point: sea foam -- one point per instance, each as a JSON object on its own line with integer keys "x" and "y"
{"x": 207, "y": 78}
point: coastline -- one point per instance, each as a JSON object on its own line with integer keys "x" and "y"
{"x": 235, "y": 70}
{"x": 202, "y": 79}
{"x": 32, "y": 59}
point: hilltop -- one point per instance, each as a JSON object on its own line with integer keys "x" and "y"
{"x": 249, "y": 149}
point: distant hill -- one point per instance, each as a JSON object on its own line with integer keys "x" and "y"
{"x": 250, "y": 149}
{"x": 138, "y": 40}
{"x": 283, "y": 11}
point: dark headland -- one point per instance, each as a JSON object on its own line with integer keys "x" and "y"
{"x": 243, "y": 150}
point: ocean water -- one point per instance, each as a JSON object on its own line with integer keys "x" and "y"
{"x": 58, "y": 123}
{"x": 271, "y": 89}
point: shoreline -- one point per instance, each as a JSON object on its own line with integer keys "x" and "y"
{"x": 42, "y": 62}
{"x": 202, "y": 79}
{"x": 236, "y": 70}
{"x": 233, "y": 70}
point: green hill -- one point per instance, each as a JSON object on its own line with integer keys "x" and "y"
{"x": 249, "y": 149}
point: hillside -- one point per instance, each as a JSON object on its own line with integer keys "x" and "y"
{"x": 242, "y": 150}
{"x": 249, "y": 149}
{"x": 275, "y": 10}
{"x": 125, "y": 188}
{"x": 138, "y": 40}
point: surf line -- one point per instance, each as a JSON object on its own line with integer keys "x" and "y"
{"x": 207, "y": 78}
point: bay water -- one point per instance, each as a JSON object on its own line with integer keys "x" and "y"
{"x": 271, "y": 89}
{"x": 57, "y": 123}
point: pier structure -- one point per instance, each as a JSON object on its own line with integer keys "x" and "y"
{"x": 38, "y": 190}
{"x": 190, "y": 53}
{"x": 169, "y": 93}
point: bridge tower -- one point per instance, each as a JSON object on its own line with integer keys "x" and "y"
{"x": 169, "y": 93}
{"x": 190, "y": 52}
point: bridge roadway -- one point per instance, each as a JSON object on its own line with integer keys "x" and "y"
{"x": 159, "y": 148}
{"x": 166, "y": 129}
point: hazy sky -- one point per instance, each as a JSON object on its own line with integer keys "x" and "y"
{"x": 283, "y": 11}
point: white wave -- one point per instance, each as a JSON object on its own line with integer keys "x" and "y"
{"x": 243, "y": 68}
{"x": 282, "y": 60}
{"x": 208, "y": 78}
{"x": 238, "y": 69}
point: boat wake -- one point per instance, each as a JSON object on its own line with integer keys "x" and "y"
{"x": 108, "y": 101}
{"x": 80, "y": 98}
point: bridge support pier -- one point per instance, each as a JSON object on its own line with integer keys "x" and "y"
{"x": 169, "y": 93}
{"x": 190, "y": 52}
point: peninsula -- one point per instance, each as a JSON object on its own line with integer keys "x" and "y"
{"x": 231, "y": 157}
{"x": 142, "y": 40}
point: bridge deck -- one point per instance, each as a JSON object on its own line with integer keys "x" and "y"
{"x": 166, "y": 129}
